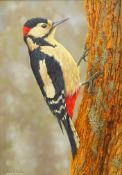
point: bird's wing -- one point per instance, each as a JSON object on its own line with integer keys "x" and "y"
{"x": 57, "y": 103}
{"x": 54, "y": 87}
{"x": 49, "y": 76}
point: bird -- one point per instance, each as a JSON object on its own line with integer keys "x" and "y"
{"x": 56, "y": 72}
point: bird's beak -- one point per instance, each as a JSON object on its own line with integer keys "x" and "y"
{"x": 57, "y": 22}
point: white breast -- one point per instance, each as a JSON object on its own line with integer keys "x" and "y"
{"x": 68, "y": 66}
{"x": 48, "y": 85}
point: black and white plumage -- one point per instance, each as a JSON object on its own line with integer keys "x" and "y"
{"x": 57, "y": 103}
{"x": 50, "y": 78}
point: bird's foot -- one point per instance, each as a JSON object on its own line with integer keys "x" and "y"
{"x": 83, "y": 57}
{"x": 90, "y": 81}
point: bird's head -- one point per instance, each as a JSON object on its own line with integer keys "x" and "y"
{"x": 40, "y": 27}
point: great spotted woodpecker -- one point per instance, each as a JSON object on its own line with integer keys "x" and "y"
{"x": 56, "y": 72}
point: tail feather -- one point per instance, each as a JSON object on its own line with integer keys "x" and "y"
{"x": 72, "y": 134}
{"x": 60, "y": 124}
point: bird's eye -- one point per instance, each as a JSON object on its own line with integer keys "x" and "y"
{"x": 44, "y": 25}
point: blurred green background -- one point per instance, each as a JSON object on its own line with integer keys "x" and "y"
{"x": 31, "y": 142}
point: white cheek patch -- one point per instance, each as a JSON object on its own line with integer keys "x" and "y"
{"x": 37, "y": 32}
{"x": 48, "y": 85}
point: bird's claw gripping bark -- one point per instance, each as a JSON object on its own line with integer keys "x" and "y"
{"x": 83, "y": 57}
{"x": 90, "y": 81}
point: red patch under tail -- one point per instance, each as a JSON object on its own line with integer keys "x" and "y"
{"x": 70, "y": 103}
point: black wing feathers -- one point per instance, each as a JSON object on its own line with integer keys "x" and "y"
{"x": 57, "y": 103}
{"x": 55, "y": 72}
{"x": 35, "y": 57}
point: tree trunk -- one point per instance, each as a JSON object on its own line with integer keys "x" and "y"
{"x": 98, "y": 123}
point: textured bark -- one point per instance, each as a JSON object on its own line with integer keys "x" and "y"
{"x": 98, "y": 122}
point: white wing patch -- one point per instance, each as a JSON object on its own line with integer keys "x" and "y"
{"x": 48, "y": 85}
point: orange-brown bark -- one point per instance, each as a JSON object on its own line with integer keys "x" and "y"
{"x": 98, "y": 123}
